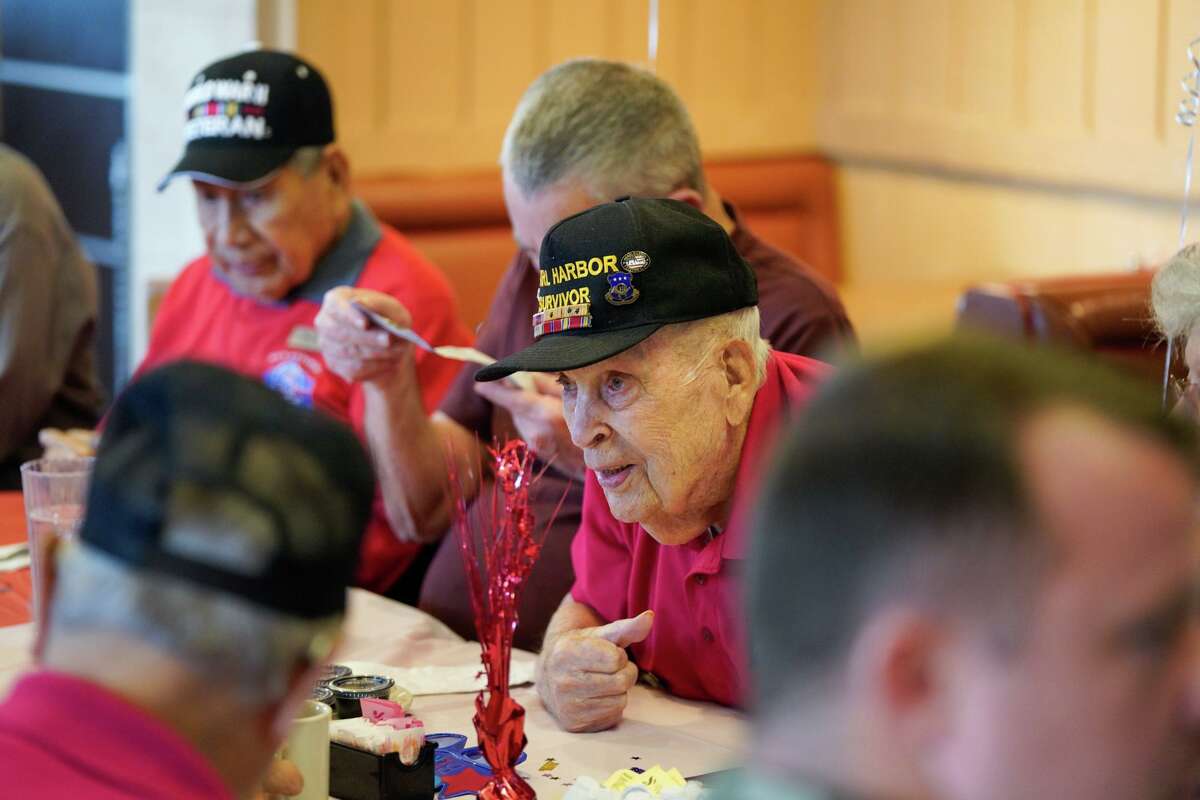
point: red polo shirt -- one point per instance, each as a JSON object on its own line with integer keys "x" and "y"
{"x": 63, "y": 737}
{"x": 696, "y": 648}
{"x": 201, "y": 318}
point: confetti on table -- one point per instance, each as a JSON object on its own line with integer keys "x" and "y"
{"x": 655, "y": 779}
{"x": 549, "y": 765}
{"x": 655, "y": 784}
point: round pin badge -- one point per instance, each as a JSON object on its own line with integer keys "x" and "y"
{"x": 635, "y": 261}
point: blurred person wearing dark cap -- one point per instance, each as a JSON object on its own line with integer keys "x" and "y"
{"x": 972, "y": 577}
{"x": 587, "y": 131}
{"x": 206, "y": 589}
{"x": 48, "y": 308}
{"x": 282, "y": 227}
{"x": 649, "y": 321}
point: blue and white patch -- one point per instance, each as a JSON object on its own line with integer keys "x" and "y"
{"x": 621, "y": 291}
{"x": 292, "y": 381}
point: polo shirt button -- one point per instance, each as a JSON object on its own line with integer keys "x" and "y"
{"x": 701, "y": 579}
{"x": 706, "y": 635}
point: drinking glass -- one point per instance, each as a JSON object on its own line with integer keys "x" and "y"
{"x": 54, "y": 492}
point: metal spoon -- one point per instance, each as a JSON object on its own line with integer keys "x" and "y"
{"x": 453, "y": 352}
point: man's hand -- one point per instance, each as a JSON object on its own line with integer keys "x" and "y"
{"x": 283, "y": 779}
{"x": 73, "y": 443}
{"x": 353, "y": 349}
{"x": 1188, "y": 406}
{"x": 586, "y": 676}
{"x": 538, "y": 418}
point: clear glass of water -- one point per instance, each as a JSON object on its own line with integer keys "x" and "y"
{"x": 54, "y": 491}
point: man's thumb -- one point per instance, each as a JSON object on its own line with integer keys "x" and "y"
{"x": 625, "y": 632}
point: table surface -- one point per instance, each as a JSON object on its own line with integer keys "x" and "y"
{"x": 16, "y": 589}
{"x": 657, "y": 729}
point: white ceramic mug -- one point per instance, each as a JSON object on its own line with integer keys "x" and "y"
{"x": 307, "y": 747}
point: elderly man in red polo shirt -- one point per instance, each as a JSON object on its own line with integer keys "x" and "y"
{"x": 649, "y": 318}
{"x": 282, "y": 227}
{"x": 586, "y": 131}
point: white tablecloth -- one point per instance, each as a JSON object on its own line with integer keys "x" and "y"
{"x": 657, "y": 729}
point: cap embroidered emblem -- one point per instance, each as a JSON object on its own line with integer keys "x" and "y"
{"x": 621, "y": 291}
{"x": 635, "y": 261}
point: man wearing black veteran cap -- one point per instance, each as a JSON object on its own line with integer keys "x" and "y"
{"x": 207, "y": 588}
{"x": 648, "y": 316}
{"x": 282, "y": 228}
{"x": 585, "y": 132}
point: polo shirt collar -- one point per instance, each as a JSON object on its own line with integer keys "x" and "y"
{"x": 743, "y": 240}
{"x": 767, "y": 414}
{"x": 344, "y": 262}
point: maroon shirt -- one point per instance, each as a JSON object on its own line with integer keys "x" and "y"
{"x": 801, "y": 314}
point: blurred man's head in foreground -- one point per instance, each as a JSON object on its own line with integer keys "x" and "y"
{"x": 208, "y": 584}
{"x": 973, "y": 578}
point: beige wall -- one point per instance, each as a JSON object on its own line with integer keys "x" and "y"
{"x": 163, "y": 232}
{"x": 990, "y": 139}
{"x": 1080, "y": 92}
{"x": 913, "y": 240}
{"x": 429, "y": 85}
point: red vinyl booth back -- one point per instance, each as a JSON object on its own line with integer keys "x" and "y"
{"x": 1108, "y": 314}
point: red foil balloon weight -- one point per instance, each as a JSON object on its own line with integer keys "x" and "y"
{"x": 498, "y": 555}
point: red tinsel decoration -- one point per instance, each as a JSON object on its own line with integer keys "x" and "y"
{"x": 496, "y": 570}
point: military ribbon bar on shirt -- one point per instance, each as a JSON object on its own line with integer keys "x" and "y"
{"x": 565, "y": 318}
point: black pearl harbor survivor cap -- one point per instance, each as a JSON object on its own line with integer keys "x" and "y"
{"x": 613, "y": 275}
{"x": 246, "y": 115}
{"x": 213, "y": 479}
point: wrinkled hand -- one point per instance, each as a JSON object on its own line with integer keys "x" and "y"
{"x": 283, "y": 779}
{"x": 1188, "y": 406}
{"x": 73, "y": 443}
{"x": 586, "y": 676}
{"x": 353, "y": 348}
{"x": 538, "y": 417}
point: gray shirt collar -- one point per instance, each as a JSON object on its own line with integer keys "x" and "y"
{"x": 343, "y": 263}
